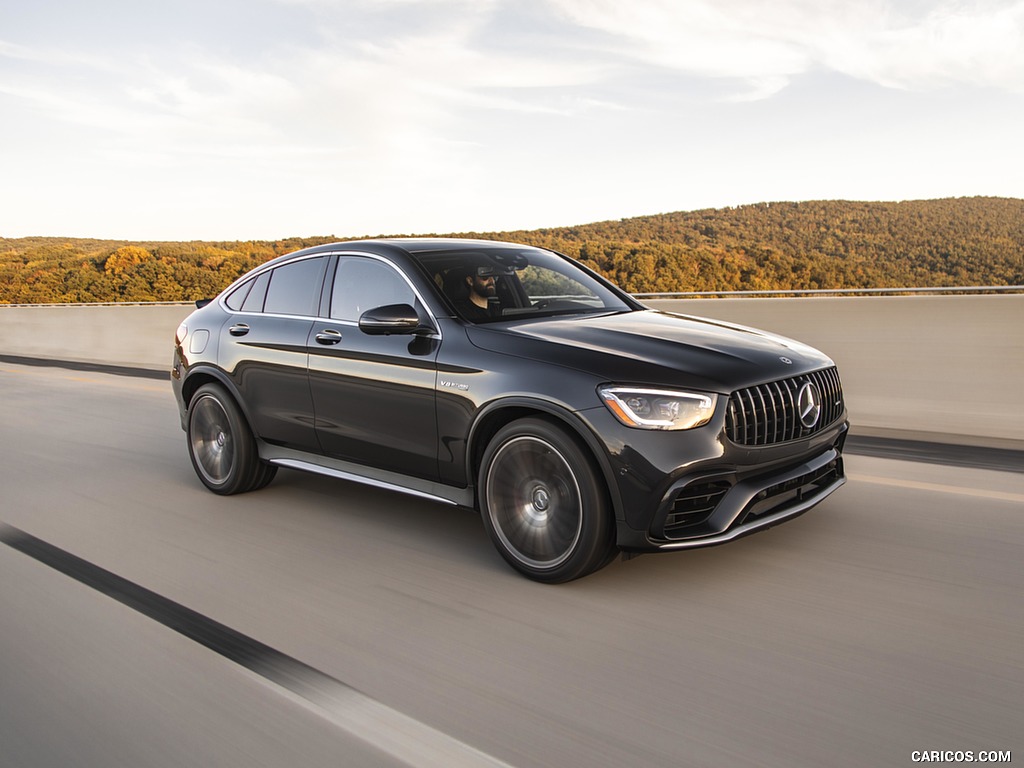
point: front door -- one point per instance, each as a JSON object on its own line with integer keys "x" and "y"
{"x": 373, "y": 395}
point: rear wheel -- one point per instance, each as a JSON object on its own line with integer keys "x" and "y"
{"x": 264, "y": 475}
{"x": 543, "y": 504}
{"x": 221, "y": 445}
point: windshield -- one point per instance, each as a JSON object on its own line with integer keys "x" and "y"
{"x": 492, "y": 284}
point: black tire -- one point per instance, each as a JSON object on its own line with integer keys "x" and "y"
{"x": 221, "y": 445}
{"x": 264, "y": 475}
{"x": 543, "y": 503}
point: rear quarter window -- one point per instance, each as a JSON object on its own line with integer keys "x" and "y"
{"x": 258, "y": 294}
{"x": 236, "y": 298}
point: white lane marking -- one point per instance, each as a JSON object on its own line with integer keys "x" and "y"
{"x": 938, "y": 488}
{"x": 399, "y": 736}
{"x": 403, "y": 738}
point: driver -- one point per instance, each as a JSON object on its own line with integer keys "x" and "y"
{"x": 475, "y": 305}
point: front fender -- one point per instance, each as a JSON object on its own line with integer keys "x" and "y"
{"x": 498, "y": 413}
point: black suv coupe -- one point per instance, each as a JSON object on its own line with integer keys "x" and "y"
{"x": 513, "y": 381}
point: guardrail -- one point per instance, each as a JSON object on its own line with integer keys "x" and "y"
{"x": 951, "y": 291}
{"x": 105, "y": 304}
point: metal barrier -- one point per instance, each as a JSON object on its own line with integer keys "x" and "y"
{"x": 951, "y": 291}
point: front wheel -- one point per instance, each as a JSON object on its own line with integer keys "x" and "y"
{"x": 542, "y": 503}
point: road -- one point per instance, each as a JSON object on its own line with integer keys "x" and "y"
{"x": 887, "y": 620}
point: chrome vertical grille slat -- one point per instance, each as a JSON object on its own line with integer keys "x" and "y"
{"x": 759, "y": 416}
{"x": 741, "y": 406}
{"x": 790, "y": 407}
{"x": 769, "y": 413}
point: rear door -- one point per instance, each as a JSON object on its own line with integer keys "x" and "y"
{"x": 263, "y": 349}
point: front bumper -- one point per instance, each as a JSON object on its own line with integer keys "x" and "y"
{"x": 685, "y": 490}
{"x": 750, "y": 505}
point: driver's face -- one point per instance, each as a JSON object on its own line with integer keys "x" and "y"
{"x": 483, "y": 286}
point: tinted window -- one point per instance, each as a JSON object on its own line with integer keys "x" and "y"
{"x": 295, "y": 288}
{"x": 254, "y": 301}
{"x": 237, "y": 296}
{"x": 526, "y": 283}
{"x": 544, "y": 284}
{"x": 361, "y": 284}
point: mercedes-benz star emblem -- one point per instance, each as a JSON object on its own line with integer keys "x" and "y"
{"x": 808, "y": 404}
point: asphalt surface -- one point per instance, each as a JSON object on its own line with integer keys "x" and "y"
{"x": 147, "y": 622}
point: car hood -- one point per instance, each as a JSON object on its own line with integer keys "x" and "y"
{"x": 653, "y": 347}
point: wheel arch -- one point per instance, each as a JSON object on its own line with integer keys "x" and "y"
{"x": 496, "y": 415}
{"x": 199, "y": 376}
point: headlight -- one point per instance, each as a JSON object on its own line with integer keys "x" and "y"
{"x": 659, "y": 409}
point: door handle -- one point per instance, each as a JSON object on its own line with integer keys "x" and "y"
{"x": 328, "y": 336}
{"x": 238, "y": 329}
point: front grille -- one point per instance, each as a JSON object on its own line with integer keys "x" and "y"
{"x": 768, "y": 413}
{"x": 694, "y": 504}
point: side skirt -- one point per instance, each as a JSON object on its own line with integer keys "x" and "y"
{"x": 378, "y": 478}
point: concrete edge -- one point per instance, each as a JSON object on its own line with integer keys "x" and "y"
{"x": 948, "y": 454}
{"x": 75, "y": 365}
{"x": 922, "y": 436}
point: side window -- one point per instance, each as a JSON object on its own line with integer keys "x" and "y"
{"x": 541, "y": 283}
{"x": 361, "y": 284}
{"x": 295, "y": 288}
{"x": 254, "y": 301}
{"x": 237, "y": 296}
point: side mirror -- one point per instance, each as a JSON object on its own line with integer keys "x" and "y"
{"x": 393, "y": 318}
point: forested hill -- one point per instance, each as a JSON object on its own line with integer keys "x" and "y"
{"x": 828, "y": 244}
{"x": 825, "y": 244}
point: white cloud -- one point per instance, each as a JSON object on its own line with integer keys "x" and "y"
{"x": 360, "y": 125}
{"x": 381, "y": 93}
{"x": 436, "y": 115}
{"x": 981, "y": 43}
{"x": 701, "y": 37}
{"x": 52, "y": 56}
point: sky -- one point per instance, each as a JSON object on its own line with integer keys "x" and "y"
{"x": 266, "y": 119}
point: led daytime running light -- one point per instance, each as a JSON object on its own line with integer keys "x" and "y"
{"x": 659, "y": 409}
